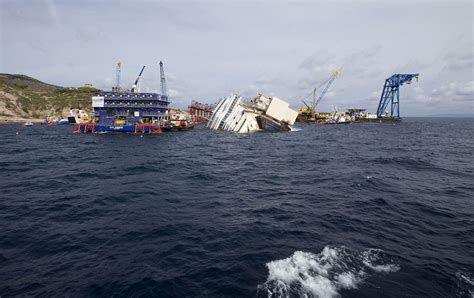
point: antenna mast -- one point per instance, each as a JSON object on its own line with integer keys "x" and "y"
{"x": 163, "y": 81}
{"x": 117, "y": 76}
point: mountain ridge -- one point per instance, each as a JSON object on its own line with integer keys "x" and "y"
{"x": 25, "y": 97}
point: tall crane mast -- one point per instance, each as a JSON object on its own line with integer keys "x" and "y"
{"x": 391, "y": 94}
{"x": 135, "y": 85}
{"x": 117, "y": 76}
{"x": 163, "y": 81}
{"x": 328, "y": 82}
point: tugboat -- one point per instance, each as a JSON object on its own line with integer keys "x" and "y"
{"x": 178, "y": 120}
{"x": 182, "y": 124}
{"x": 127, "y": 111}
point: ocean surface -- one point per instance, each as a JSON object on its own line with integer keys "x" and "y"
{"x": 361, "y": 210}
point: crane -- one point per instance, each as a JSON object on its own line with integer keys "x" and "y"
{"x": 328, "y": 82}
{"x": 117, "y": 76}
{"x": 135, "y": 85}
{"x": 163, "y": 81}
{"x": 391, "y": 94}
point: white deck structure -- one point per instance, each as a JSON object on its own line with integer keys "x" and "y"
{"x": 261, "y": 113}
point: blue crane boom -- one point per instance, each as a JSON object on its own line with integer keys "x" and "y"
{"x": 135, "y": 85}
{"x": 329, "y": 82}
{"x": 391, "y": 94}
{"x": 315, "y": 101}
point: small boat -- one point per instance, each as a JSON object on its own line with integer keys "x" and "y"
{"x": 63, "y": 122}
{"x": 340, "y": 118}
{"x": 28, "y": 123}
{"x": 182, "y": 124}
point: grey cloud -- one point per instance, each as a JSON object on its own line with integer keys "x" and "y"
{"x": 211, "y": 48}
{"x": 459, "y": 61}
{"x": 455, "y": 91}
{"x": 358, "y": 65}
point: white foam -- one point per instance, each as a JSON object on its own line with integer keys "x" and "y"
{"x": 374, "y": 259}
{"x": 465, "y": 284}
{"x": 323, "y": 274}
{"x": 465, "y": 278}
{"x": 383, "y": 268}
{"x": 319, "y": 286}
{"x": 347, "y": 280}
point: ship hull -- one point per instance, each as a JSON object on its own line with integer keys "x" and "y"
{"x": 138, "y": 128}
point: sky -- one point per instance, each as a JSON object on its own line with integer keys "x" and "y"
{"x": 211, "y": 49}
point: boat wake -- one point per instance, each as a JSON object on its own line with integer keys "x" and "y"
{"x": 324, "y": 274}
{"x": 465, "y": 284}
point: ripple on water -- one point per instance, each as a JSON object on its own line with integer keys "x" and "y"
{"x": 205, "y": 213}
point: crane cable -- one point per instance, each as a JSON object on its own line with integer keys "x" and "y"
{"x": 320, "y": 85}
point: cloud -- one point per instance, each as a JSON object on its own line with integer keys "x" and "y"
{"x": 277, "y": 48}
{"x": 174, "y": 93}
{"x": 419, "y": 96}
{"x": 455, "y": 91}
{"x": 358, "y": 65}
{"x": 445, "y": 96}
{"x": 264, "y": 84}
{"x": 330, "y": 94}
{"x": 457, "y": 61}
{"x": 374, "y": 96}
{"x": 53, "y": 13}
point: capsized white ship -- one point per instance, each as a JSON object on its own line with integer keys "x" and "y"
{"x": 261, "y": 113}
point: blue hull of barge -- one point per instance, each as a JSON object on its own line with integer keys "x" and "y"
{"x": 125, "y": 128}
{"x": 136, "y": 128}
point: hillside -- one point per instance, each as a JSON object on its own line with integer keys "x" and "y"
{"x": 25, "y": 97}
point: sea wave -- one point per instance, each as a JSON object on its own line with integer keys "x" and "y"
{"x": 465, "y": 283}
{"x": 323, "y": 274}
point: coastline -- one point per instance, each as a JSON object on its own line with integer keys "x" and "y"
{"x": 18, "y": 120}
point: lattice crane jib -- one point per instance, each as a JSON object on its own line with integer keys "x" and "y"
{"x": 163, "y": 81}
{"x": 391, "y": 94}
{"x": 118, "y": 74}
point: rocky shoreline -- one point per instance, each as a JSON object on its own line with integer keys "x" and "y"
{"x": 17, "y": 120}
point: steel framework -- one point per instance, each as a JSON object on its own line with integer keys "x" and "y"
{"x": 391, "y": 94}
{"x": 329, "y": 82}
{"x": 117, "y": 75}
{"x": 135, "y": 87}
{"x": 163, "y": 80}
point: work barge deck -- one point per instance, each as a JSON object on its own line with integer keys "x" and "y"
{"x": 141, "y": 113}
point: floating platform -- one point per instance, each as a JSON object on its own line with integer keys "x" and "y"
{"x": 138, "y": 128}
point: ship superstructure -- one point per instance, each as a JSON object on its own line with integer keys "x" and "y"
{"x": 261, "y": 113}
{"x": 128, "y": 111}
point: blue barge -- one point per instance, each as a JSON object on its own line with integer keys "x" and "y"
{"x": 127, "y": 112}
{"x": 121, "y": 110}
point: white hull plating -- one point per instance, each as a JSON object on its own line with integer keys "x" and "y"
{"x": 232, "y": 114}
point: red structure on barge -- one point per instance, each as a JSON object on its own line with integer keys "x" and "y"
{"x": 200, "y": 112}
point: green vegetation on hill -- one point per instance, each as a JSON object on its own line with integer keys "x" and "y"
{"x": 23, "y": 96}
